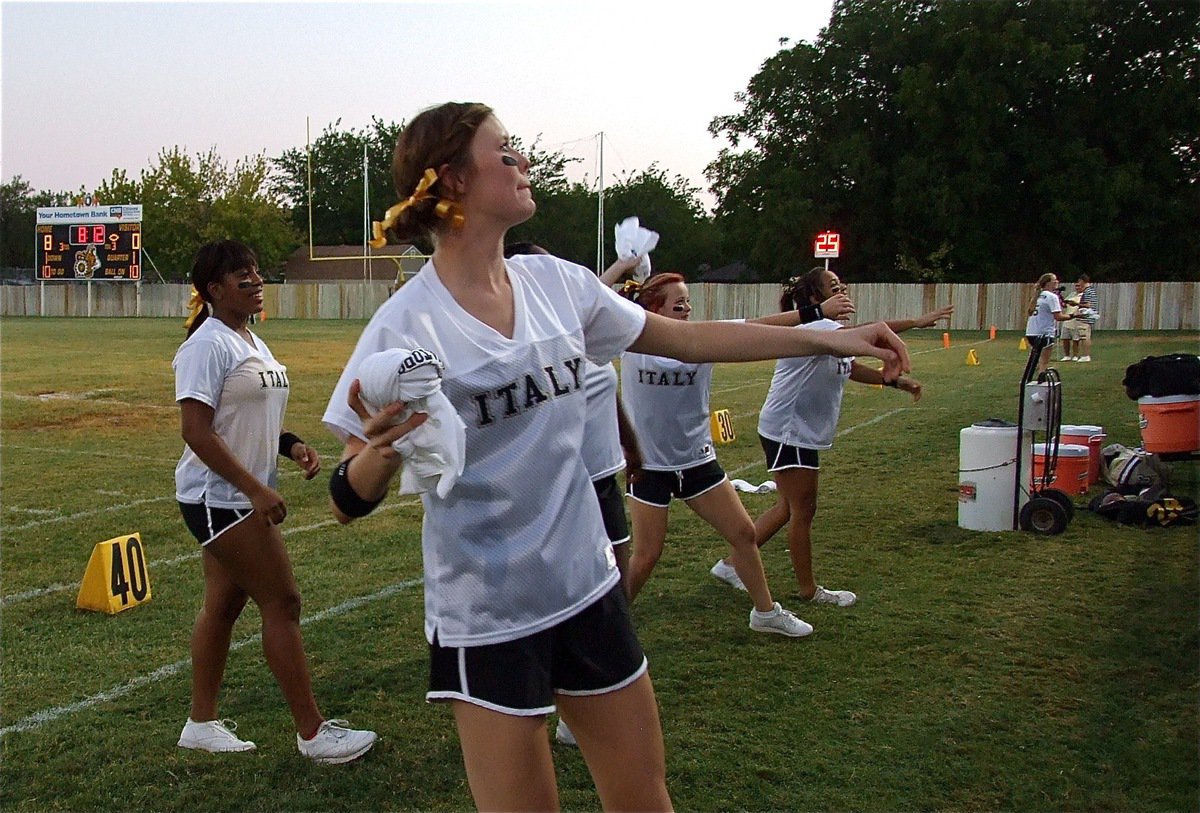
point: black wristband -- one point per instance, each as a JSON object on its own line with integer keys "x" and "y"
{"x": 810, "y": 313}
{"x": 345, "y": 497}
{"x": 893, "y": 383}
{"x": 286, "y": 441}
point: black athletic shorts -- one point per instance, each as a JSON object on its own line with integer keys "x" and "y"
{"x": 593, "y": 652}
{"x": 658, "y": 487}
{"x": 612, "y": 508}
{"x": 207, "y": 523}
{"x": 782, "y": 456}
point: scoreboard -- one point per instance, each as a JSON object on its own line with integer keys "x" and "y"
{"x": 89, "y": 243}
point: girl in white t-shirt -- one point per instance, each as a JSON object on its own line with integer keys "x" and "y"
{"x": 1045, "y": 312}
{"x": 799, "y": 417}
{"x": 523, "y": 608}
{"x": 232, "y": 396}
{"x": 668, "y": 403}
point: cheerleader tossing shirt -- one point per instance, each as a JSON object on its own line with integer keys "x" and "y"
{"x": 518, "y": 545}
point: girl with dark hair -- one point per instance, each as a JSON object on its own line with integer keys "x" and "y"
{"x": 523, "y": 607}
{"x": 232, "y": 395}
{"x": 799, "y": 417}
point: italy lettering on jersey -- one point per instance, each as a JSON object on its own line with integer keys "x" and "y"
{"x": 805, "y": 399}
{"x": 518, "y": 544}
{"x": 247, "y": 389}
{"x": 531, "y": 391}
{"x": 667, "y": 402}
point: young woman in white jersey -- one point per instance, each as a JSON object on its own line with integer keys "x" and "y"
{"x": 232, "y": 395}
{"x": 667, "y": 401}
{"x": 524, "y": 610}
{"x": 609, "y": 443}
{"x": 1045, "y": 312}
{"x": 799, "y": 417}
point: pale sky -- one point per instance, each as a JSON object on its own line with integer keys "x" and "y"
{"x": 92, "y": 86}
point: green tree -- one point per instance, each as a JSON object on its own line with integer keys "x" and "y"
{"x": 190, "y": 200}
{"x": 973, "y": 141}
{"x": 670, "y": 206}
{"x": 19, "y": 203}
{"x": 336, "y": 157}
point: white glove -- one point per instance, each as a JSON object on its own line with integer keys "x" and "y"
{"x": 434, "y": 452}
{"x": 634, "y": 241}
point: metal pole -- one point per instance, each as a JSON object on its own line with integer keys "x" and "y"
{"x": 366, "y": 226}
{"x": 600, "y": 211}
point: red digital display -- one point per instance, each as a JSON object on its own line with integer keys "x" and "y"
{"x": 827, "y": 244}
{"x": 86, "y": 235}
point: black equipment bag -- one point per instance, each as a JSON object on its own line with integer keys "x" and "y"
{"x": 1160, "y": 376}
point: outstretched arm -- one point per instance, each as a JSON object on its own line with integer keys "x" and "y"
{"x": 869, "y": 375}
{"x": 925, "y": 320}
{"x": 699, "y": 342}
{"x": 835, "y": 307}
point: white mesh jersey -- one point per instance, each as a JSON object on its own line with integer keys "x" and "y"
{"x": 667, "y": 403}
{"x": 248, "y": 391}
{"x": 602, "y": 453}
{"x": 518, "y": 544}
{"x": 1042, "y": 322}
{"x": 805, "y": 398}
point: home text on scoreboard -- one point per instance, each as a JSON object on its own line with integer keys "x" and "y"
{"x": 81, "y": 243}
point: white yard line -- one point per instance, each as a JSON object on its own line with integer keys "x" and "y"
{"x": 40, "y": 718}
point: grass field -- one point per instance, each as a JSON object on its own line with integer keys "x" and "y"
{"x": 978, "y": 671}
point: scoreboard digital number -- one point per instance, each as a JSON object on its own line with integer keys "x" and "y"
{"x": 89, "y": 243}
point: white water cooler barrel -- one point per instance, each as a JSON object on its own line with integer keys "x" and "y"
{"x": 987, "y": 454}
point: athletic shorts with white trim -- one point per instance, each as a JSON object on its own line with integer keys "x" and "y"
{"x": 207, "y": 523}
{"x": 593, "y": 652}
{"x": 782, "y": 456}
{"x": 658, "y": 487}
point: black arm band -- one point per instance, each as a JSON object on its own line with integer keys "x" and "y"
{"x": 286, "y": 441}
{"x": 345, "y": 497}
{"x": 810, "y": 313}
{"x": 893, "y": 383}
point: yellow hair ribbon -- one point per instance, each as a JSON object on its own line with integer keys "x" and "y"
{"x": 449, "y": 210}
{"x": 630, "y": 288}
{"x": 195, "y": 306}
{"x": 379, "y": 239}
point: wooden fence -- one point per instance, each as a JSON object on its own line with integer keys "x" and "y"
{"x": 1123, "y": 306}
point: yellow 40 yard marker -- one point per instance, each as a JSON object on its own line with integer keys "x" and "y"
{"x": 116, "y": 577}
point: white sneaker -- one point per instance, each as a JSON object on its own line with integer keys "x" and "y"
{"x": 335, "y": 743}
{"x": 725, "y": 572}
{"x": 779, "y": 621}
{"x": 564, "y": 735}
{"x": 841, "y": 598}
{"x": 214, "y": 736}
{"x": 1067, "y": 358}
{"x": 1084, "y": 358}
